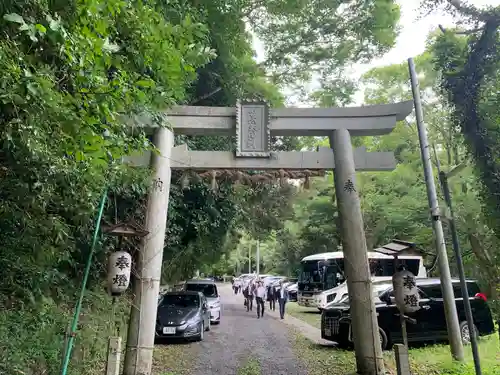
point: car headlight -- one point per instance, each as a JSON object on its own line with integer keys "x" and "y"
{"x": 191, "y": 322}
{"x": 214, "y": 305}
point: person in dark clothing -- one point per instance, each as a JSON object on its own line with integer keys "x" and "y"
{"x": 271, "y": 297}
{"x": 282, "y": 298}
{"x": 248, "y": 293}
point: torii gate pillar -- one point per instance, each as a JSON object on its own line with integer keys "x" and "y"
{"x": 364, "y": 323}
{"x": 142, "y": 324}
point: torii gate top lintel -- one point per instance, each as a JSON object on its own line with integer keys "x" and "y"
{"x": 360, "y": 121}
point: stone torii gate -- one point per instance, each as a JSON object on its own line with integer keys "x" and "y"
{"x": 253, "y": 123}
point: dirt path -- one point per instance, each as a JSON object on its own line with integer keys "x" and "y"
{"x": 243, "y": 344}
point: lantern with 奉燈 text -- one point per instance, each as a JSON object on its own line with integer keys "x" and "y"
{"x": 120, "y": 262}
{"x": 406, "y": 291}
{"x": 119, "y": 269}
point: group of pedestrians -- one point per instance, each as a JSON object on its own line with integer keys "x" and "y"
{"x": 255, "y": 288}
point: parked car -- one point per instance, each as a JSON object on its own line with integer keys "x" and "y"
{"x": 273, "y": 280}
{"x": 289, "y": 281}
{"x": 429, "y": 322}
{"x": 209, "y": 290}
{"x": 182, "y": 315}
{"x": 292, "y": 292}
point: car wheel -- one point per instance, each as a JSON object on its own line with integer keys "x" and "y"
{"x": 384, "y": 341}
{"x": 465, "y": 334}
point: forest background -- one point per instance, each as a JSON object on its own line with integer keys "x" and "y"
{"x": 70, "y": 72}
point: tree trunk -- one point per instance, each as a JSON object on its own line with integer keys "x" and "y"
{"x": 487, "y": 264}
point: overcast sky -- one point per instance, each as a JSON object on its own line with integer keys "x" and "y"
{"x": 410, "y": 42}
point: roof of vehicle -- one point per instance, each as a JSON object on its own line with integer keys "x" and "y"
{"x": 420, "y": 281}
{"x": 200, "y": 281}
{"x": 183, "y": 292}
{"x": 340, "y": 255}
{"x": 436, "y": 280}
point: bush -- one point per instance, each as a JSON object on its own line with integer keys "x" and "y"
{"x": 32, "y": 337}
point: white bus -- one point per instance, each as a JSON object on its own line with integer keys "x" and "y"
{"x": 322, "y": 279}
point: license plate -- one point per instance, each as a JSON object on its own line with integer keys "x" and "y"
{"x": 169, "y": 330}
{"x": 328, "y": 332}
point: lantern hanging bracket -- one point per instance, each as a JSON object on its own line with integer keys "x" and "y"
{"x": 122, "y": 229}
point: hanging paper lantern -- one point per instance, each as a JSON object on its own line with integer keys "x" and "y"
{"x": 119, "y": 267}
{"x": 406, "y": 291}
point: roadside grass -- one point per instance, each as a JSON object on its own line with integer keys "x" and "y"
{"x": 251, "y": 367}
{"x": 428, "y": 360}
{"x": 173, "y": 359}
{"x": 436, "y": 359}
{"x": 309, "y": 315}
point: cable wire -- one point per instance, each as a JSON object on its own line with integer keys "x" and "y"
{"x": 74, "y": 324}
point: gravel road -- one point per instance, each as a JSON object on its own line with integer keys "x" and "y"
{"x": 241, "y": 337}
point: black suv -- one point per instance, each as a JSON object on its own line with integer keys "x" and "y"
{"x": 429, "y": 323}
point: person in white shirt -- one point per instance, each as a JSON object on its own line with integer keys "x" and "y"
{"x": 282, "y": 299}
{"x": 260, "y": 297}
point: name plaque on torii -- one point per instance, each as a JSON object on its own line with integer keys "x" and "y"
{"x": 253, "y": 134}
{"x": 253, "y": 123}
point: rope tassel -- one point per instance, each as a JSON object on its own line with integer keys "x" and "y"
{"x": 214, "y": 181}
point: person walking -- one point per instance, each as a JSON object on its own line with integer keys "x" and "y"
{"x": 245, "y": 288}
{"x": 234, "y": 285}
{"x": 271, "y": 297}
{"x": 260, "y": 296}
{"x": 283, "y": 298}
{"x": 250, "y": 295}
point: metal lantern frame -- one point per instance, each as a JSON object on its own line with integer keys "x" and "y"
{"x": 398, "y": 248}
{"x": 122, "y": 230}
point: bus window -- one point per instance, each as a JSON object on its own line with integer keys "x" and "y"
{"x": 386, "y": 267}
{"x": 334, "y": 273}
{"x": 309, "y": 273}
{"x": 381, "y": 267}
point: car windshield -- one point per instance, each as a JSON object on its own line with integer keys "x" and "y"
{"x": 209, "y": 290}
{"x": 180, "y": 300}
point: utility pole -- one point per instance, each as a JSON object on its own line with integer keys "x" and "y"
{"x": 443, "y": 179}
{"x": 258, "y": 258}
{"x": 364, "y": 325}
{"x": 250, "y": 258}
{"x": 450, "y": 309}
{"x": 141, "y": 329}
